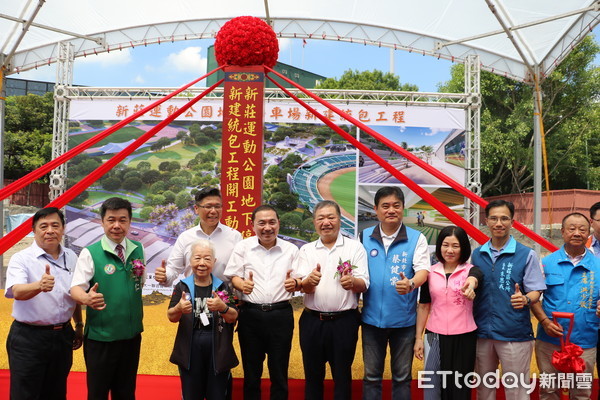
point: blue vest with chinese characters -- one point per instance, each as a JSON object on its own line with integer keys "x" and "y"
{"x": 494, "y": 315}
{"x": 383, "y": 307}
{"x": 572, "y": 289}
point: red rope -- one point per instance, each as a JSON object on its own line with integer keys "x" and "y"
{"x": 441, "y": 207}
{"x": 46, "y": 168}
{"x": 14, "y": 236}
{"x": 436, "y": 173}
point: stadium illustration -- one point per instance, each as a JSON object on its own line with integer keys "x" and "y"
{"x": 305, "y": 182}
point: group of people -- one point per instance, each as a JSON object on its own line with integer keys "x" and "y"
{"x": 466, "y": 316}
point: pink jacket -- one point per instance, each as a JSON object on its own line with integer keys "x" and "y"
{"x": 451, "y": 313}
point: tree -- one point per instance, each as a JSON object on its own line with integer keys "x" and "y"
{"x": 280, "y": 133}
{"x": 143, "y": 166}
{"x": 181, "y": 135}
{"x": 292, "y": 161}
{"x": 111, "y": 184}
{"x": 202, "y": 140}
{"x": 169, "y": 196}
{"x": 158, "y": 187}
{"x": 164, "y": 166}
{"x": 163, "y": 142}
{"x": 145, "y": 213}
{"x": 291, "y": 222}
{"x": 132, "y": 184}
{"x": 183, "y": 200}
{"x": 177, "y": 183}
{"x": 571, "y": 118}
{"x": 367, "y": 80}
{"x": 151, "y": 176}
{"x": 284, "y": 202}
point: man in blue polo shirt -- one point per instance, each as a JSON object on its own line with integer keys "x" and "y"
{"x": 573, "y": 278}
{"x": 512, "y": 282}
{"x": 399, "y": 263}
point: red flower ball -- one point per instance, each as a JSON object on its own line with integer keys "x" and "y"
{"x": 246, "y": 41}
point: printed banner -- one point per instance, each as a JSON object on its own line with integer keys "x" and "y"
{"x": 210, "y": 110}
{"x": 242, "y": 146}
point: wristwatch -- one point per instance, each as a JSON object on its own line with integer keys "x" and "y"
{"x": 412, "y": 285}
{"x": 528, "y": 300}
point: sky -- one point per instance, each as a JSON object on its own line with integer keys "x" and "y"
{"x": 175, "y": 64}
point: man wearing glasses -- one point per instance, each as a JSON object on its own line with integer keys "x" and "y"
{"x": 512, "y": 282}
{"x": 208, "y": 207}
{"x": 593, "y": 242}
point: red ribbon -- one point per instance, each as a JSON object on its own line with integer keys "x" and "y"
{"x": 46, "y": 168}
{"x": 19, "y": 232}
{"x": 441, "y": 207}
{"x": 430, "y": 169}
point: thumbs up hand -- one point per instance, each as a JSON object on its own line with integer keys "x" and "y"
{"x": 315, "y": 276}
{"x": 47, "y": 281}
{"x": 160, "y": 275}
{"x": 468, "y": 290}
{"x": 347, "y": 280}
{"x": 95, "y": 299}
{"x": 185, "y": 304}
{"x": 403, "y": 285}
{"x": 215, "y": 303}
{"x": 518, "y": 300}
{"x": 248, "y": 286}
{"x": 290, "y": 283}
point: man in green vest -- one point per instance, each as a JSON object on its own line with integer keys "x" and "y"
{"x": 108, "y": 279}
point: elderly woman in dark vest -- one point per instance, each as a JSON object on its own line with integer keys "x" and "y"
{"x": 203, "y": 349}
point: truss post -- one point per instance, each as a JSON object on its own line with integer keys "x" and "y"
{"x": 537, "y": 160}
{"x": 2, "y": 138}
{"x": 60, "y": 130}
{"x": 472, "y": 136}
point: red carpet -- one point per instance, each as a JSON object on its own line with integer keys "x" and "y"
{"x": 159, "y": 387}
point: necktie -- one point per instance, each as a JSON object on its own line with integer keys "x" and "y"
{"x": 119, "y": 249}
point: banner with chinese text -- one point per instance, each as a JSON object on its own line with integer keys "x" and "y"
{"x": 242, "y": 146}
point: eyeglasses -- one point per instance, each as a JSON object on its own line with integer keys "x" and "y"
{"x": 504, "y": 219}
{"x": 211, "y": 207}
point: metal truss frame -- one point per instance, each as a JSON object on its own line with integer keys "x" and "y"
{"x": 449, "y": 100}
{"x": 60, "y": 129}
{"x": 473, "y": 136}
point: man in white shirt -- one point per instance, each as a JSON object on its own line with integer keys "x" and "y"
{"x": 261, "y": 267}
{"x": 335, "y": 273}
{"x": 41, "y": 340}
{"x": 208, "y": 207}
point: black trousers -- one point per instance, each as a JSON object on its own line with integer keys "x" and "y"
{"x": 200, "y": 381}
{"x": 112, "y": 367}
{"x": 457, "y": 353}
{"x": 332, "y": 342}
{"x": 39, "y": 361}
{"x": 265, "y": 333}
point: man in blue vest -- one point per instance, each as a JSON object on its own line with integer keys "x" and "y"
{"x": 399, "y": 263}
{"x": 512, "y": 282}
{"x": 573, "y": 278}
{"x": 108, "y": 279}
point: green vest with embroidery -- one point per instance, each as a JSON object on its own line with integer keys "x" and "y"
{"x": 122, "y": 317}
